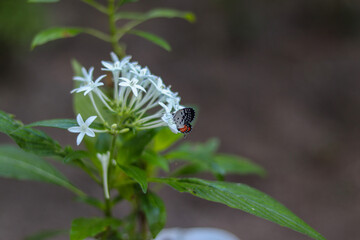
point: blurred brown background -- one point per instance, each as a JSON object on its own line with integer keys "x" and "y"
{"x": 276, "y": 81}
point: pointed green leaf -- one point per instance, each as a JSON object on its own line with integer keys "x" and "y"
{"x": 36, "y": 141}
{"x": 47, "y": 234}
{"x": 29, "y": 139}
{"x": 54, "y": 34}
{"x": 82, "y": 228}
{"x": 56, "y": 123}
{"x": 152, "y": 38}
{"x": 62, "y": 123}
{"x": 133, "y": 145}
{"x": 137, "y": 174}
{"x": 154, "y": 159}
{"x": 238, "y": 165}
{"x": 8, "y": 123}
{"x": 242, "y": 197}
{"x": 155, "y": 212}
{"x": 164, "y": 139}
{"x": 43, "y": 1}
{"x": 15, "y": 163}
{"x": 156, "y": 13}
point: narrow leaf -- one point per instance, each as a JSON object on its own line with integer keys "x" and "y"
{"x": 56, "y": 123}
{"x": 47, "y": 234}
{"x": 238, "y": 165}
{"x": 43, "y": 1}
{"x": 82, "y": 228}
{"x": 62, "y": 123}
{"x": 164, "y": 139}
{"x": 15, "y": 163}
{"x": 36, "y": 141}
{"x": 245, "y": 198}
{"x": 155, "y": 159}
{"x": 152, "y": 38}
{"x": 29, "y": 139}
{"x": 137, "y": 174}
{"x": 156, "y": 13}
{"x": 155, "y": 212}
{"x": 54, "y": 34}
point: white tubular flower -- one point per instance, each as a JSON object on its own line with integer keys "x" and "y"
{"x": 88, "y": 85}
{"x": 132, "y": 84}
{"x": 105, "y": 160}
{"x": 83, "y": 128}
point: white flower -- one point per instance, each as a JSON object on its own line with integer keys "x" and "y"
{"x": 116, "y": 65}
{"x": 105, "y": 159}
{"x": 168, "y": 118}
{"x": 87, "y": 76}
{"x": 88, "y": 84}
{"x": 132, "y": 84}
{"x": 83, "y": 128}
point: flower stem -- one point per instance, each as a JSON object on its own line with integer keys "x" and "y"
{"x": 112, "y": 25}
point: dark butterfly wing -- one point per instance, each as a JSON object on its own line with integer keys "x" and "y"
{"x": 182, "y": 119}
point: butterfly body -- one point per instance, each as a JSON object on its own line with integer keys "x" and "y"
{"x": 183, "y": 118}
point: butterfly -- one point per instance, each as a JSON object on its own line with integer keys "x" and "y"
{"x": 183, "y": 118}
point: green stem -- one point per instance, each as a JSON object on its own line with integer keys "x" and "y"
{"x": 96, "y": 5}
{"x": 112, "y": 26}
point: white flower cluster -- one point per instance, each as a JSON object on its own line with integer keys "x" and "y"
{"x": 140, "y": 99}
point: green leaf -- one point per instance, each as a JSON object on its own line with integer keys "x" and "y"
{"x": 43, "y": 1}
{"x": 164, "y": 139}
{"x": 47, "y": 234}
{"x": 82, "y": 228}
{"x": 91, "y": 201}
{"x": 133, "y": 146}
{"x": 155, "y": 159}
{"x": 36, "y": 141}
{"x": 238, "y": 165}
{"x": 155, "y": 212}
{"x": 243, "y": 197}
{"x": 63, "y": 124}
{"x": 56, "y": 123}
{"x": 54, "y": 34}
{"x": 8, "y": 123}
{"x": 200, "y": 154}
{"x": 137, "y": 174}
{"x": 156, "y": 13}
{"x": 15, "y": 163}
{"x": 29, "y": 139}
{"x": 152, "y": 38}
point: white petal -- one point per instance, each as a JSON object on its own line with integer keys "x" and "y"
{"x": 114, "y": 57}
{"x": 165, "y": 107}
{"x": 125, "y": 79}
{"x": 80, "y": 138}
{"x": 78, "y": 78}
{"x": 99, "y": 78}
{"x": 84, "y": 72}
{"x": 140, "y": 87}
{"x": 89, "y": 121}
{"x": 135, "y": 91}
{"x": 109, "y": 66}
{"x": 124, "y": 84}
{"x": 79, "y": 120}
{"x": 91, "y": 70}
{"x": 89, "y": 132}
{"x": 74, "y": 129}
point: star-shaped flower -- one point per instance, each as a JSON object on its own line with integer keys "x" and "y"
{"x": 83, "y": 128}
{"x": 116, "y": 65}
{"x": 132, "y": 84}
{"x": 88, "y": 84}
